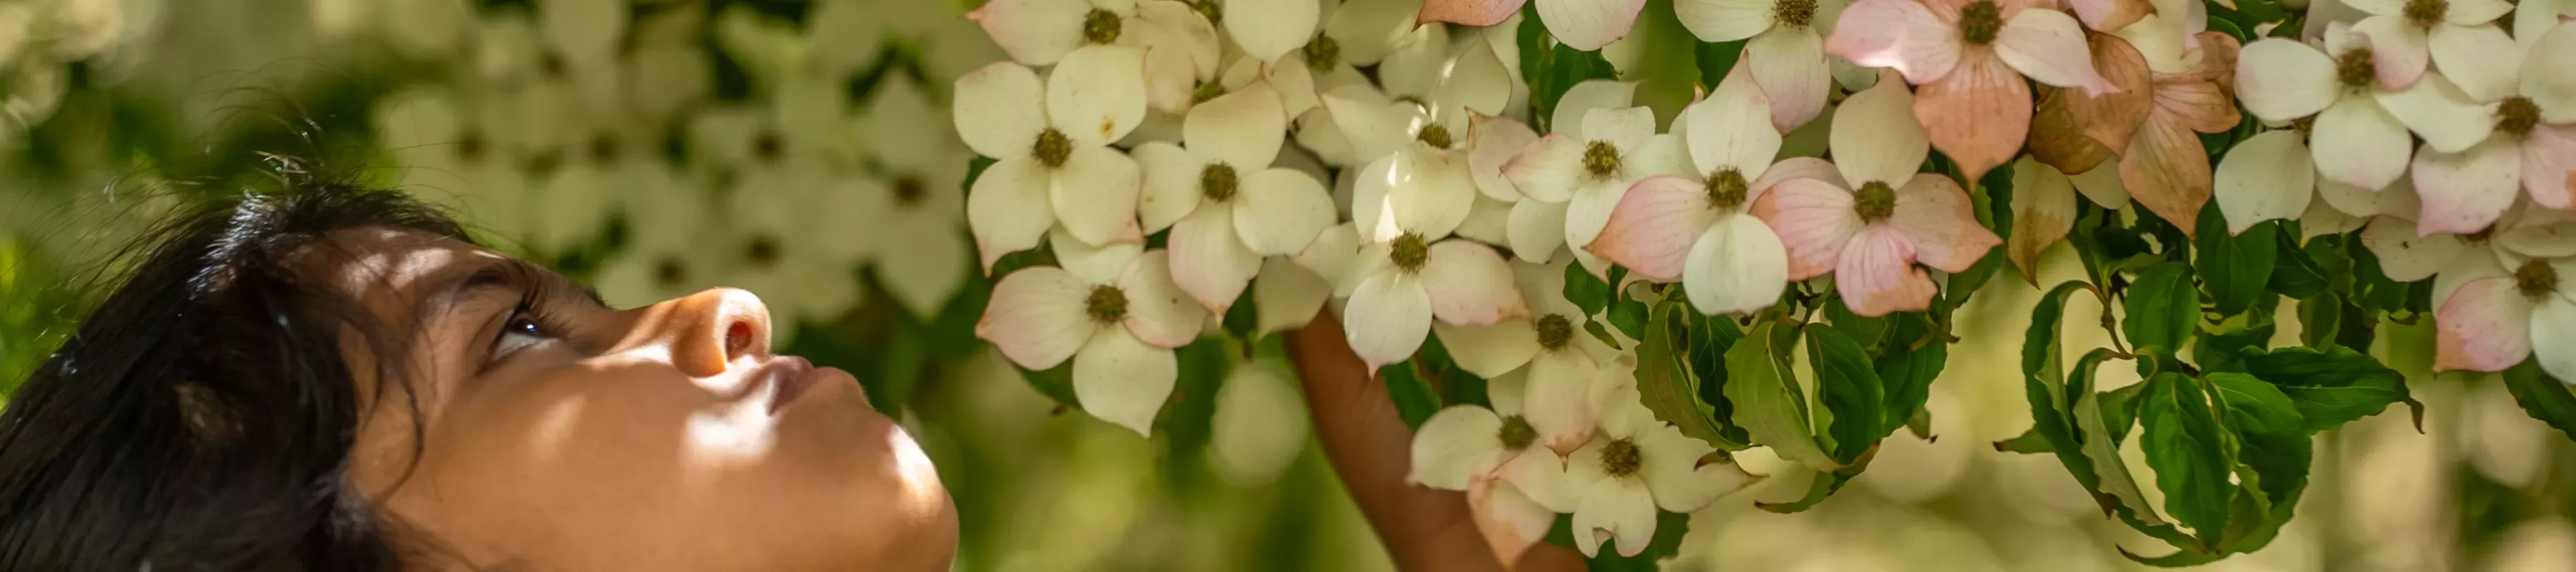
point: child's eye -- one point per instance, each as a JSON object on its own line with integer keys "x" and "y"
{"x": 517, "y": 334}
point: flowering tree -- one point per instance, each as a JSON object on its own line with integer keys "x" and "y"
{"x": 1586, "y": 211}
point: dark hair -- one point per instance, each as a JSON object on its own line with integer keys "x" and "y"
{"x": 201, "y": 417}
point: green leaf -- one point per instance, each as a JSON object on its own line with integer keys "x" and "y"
{"x": 2221, "y": 346}
{"x": 1585, "y": 290}
{"x": 2183, "y": 442}
{"x": 2371, "y": 287}
{"x": 2544, "y": 398}
{"x": 2163, "y": 309}
{"x": 1914, "y": 357}
{"x": 1768, "y": 404}
{"x": 1710, "y": 338}
{"x": 2119, "y": 409}
{"x": 2030, "y": 442}
{"x": 1414, "y": 398}
{"x": 1599, "y": 332}
{"x": 1665, "y": 381}
{"x": 2332, "y": 386}
{"x": 1055, "y": 383}
{"x": 2235, "y": 268}
{"x": 1629, "y": 316}
{"x": 2299, "y": 273}
{"x": 2273, "y": 454}
{"x": 1851, "y": 393}
{"x": 2320, "y": 320}
{"x": 1551, "y": 68}
{"x": 1865, "y": 331}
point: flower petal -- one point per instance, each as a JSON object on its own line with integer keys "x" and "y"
{"x": 2357, "y": 143}
{"x": 1791, "y": 67}
{"x": 1158, "y": 312}
{"x": 1731, "y": 129}
{"x": 1208, "y": 262}
{"x": 1489, "y": 351}
{"x": 2397, "y": 49}
{"x": 2268, "y": 177}
{"x": 2549, "y": 71}
{"x": 1720, "y": 21}
{"x": 2549, "y": 166}
{"x": 2167, "y": 170}
{"x": 2440, "y": 112}
{"x": 1242, "y": 128}
{"x": 1589, "y": 24}
{"x": 1736, "y": 266}
{"x": 2465, "y": 192}
{"x": 2484, "y": 61}
{"x": 2404, "y": 255}
{"x": 1584, "y": 97}
{"x": 2553, "y": 337}
{"x": 1097, "y": 94}
{"x": 2483, "y": 326}
{"x": 1651, "y": 230}
{"x": 1547, "y": 479}
{"x": 1813, "y": 220}
{"x": 1454, "y": 445}
{"x": 1977, "y": 115}
{"x": 1558, "y": 402}
{"x": 2113, "y": 118}
{"x": 1267, "y": 29}
{"x": 1469, "y": 284}
{"x": 2102, "y": 185}
{"x": 1877, "y": 276}
{"x": 1898, "y": 34}
{"x": 1621, "y": 508}
{"x": 2108, "y": 15}
{"x": 1625, "y": 128}
{"x": 1279, "y": 211}
{"x": 1432, "y": 194}
{"x": 1172, "y": 179}
{"x": 1797, "y": 168}
{"x": 1470, "y": 13}
{"x": 1094, "y": 195}
{"x": 2281, "y": 79}
{"x": 1536, "y": 230}
{"x": 1121, "y": 380}
{"x": 2048, "y": 46}
{"x": 1876, "y": 138}
{"x": 1940, "y": 222}
{"x": 1670, "y": 463}
{"x": 1493, "y": 141}
{"x": 2043, "y": 205}
{"x": 1388, "y": 316}
{"x": 998, "y": 110}
{"x": 1008, "y": 210}
{"x": 1037, "y": 317}
{"x": 1035, "y": 32}
{"x": 1369, "y": 31}
{"x": 1510, "y": 521}
{"x": 1286, "y": 295}
{"x": 1340, "y": 257}
{"x": 1547, "y": 170}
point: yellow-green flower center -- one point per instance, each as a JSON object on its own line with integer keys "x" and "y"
{"x": 2354, "y": 68}
{"x": 1435, "y": 136}
{"x": 1979, "y": 22}
{"x": 1620, "y": 458}
{"x": 1601, "y": 160}
{"x": 1323, "y": 54}
{"x": 2535, "y": 279}
{"x": 668, "y": 273}
{"x": 1106, "y": 305}
{"x": 2517, "y": 116}
{"x": 1726, "y": 188}
{"x": 2427, "y": 12}
{"x": 1874, "y": 202}
{"x": 768, "y": 146}
{"x": 1554, "y": 331}
{"x": 1052, "y": 148}
{"x": 1517, "y": 434}
{"x": 1101, "y": 26}
{"x": 1217, "y": 182}
{"x": 1208, "y": 9}
{"x": 1794, "y": 13}
{"x": 1207, "y": 91}
{"x": 762, "y": 252}
{"x": 1409, "y": 252}
{"x": 909, "y": 189}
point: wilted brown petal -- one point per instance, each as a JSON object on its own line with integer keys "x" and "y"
{"x": 2167, "y": 170}
{"x": 2043, "y": 206}
{"x": 2058, "y": 139}
{"x": 2112, "y": 117}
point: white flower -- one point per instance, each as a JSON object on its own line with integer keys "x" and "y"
{"x": 569, "y": 205}
{"x": 2406, "y": 254}
{"x": 1114, "y": 312}
{"x": 2521, "y": 302}
{"x": 2360, "y": 140}
{"x": 2407, "y": 35}
{"x": 668, "y": 71}
{"x": 1052, "y": 140}
{"x": 1343, "y": 37}
{"x": 776, "y": 248}
{"x": 1583, "y": 170}
{"x": 1226, "y": 206}
{"x": 1786, "y": 50}
{"x": 585, "y": 33}
{"x": 1700, "y": 230}
{"x": 1181, "y": 47}
{"x": 1468, "y": 448}
{"x": 809, "y": 108}
{"x": 2526, "y": 142}
{"x": 428, "y": 29}
{"x": 1259, "y": 427}
{"x": 1634, "y": 465}
{"x": 1397, "y": 287}
{"x": 1550, "y": 341}
{"x": 445, "y": 152}
{"x": 674, "y": 259}
{"x": 921, "y": 259}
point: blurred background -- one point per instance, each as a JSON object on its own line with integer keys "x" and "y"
{"x": 802, "y": 150}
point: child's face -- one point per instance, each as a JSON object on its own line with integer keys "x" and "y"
{"x": 558, "y": 434}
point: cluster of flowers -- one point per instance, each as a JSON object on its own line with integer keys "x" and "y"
{"x": 550, "y": 119}
{"x": 40, "y": 40}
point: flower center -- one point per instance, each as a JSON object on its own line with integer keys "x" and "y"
{"x": 1601, "y": 160}
{"x": 2517, "y": 116}
{"x": 1619, "y": 458}
{"x": 2354, "y": 68}
{"x": 1875, "y": 202}
{"x": 1323, "y": 54}
{"x": 1794, "y": 13}
{"x": 1052, "y": 148}
{"x": 1409, "y": 252}
{"x": 1435, "y": 136}
{"x": 909, "y": 189}
{"x": 603, "y": 149}
{"x": 2535, "y": 279}
{"x": 1101, "y": 27}
{"x": 1207, "y": 91}
{"x": 1217, "y": 182}
{"x": 2427, "y": 12}
{"x": 1555, "y": 331}
{"x": 768, "y": 146}
{"x": 762, "y": 252}
{"x": 668, "y": 273}
{"x": 1106, "y": 305}
{"x": 1979, "y": 21}
{"x": 470, "y": 146}
{"x": 1517, "y": 434}
{"x": 1726, "y": 188}
{"x": 1208, "y": 9}
{"x": 2479, "y": 237}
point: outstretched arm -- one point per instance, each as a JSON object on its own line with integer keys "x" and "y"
{"x": 1370, "y": 447}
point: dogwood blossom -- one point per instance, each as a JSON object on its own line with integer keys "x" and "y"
{"x": 1786, "y": 48}
{"x": 1699, "y": 230}
{"x": 1113, "y": 311}
{"x": 1549, "y": 340}
{"x": 1226, "y": 206}
{"x": 1181, "y": 47}
{"x": 1869, "y": 238}
{"x": 1968, "y": 57}
{"x": 1052, "y": 140}
{"x": 1397, "y": 286}
{"x": 920, "y": 257}
{"x": 2495, "y": 322}
{"x": 1470, "y": 448}
{"x": 2524, "y": 142}
{"x": 2407, "y": 36}
{"x": 2357, "y": 135}
{"x": 1580, "y": 24}
{"x": 1584, "y": 169}
{"x": 1633, "y": 466}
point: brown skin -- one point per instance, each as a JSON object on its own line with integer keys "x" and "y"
{"x": 573, "y": 436}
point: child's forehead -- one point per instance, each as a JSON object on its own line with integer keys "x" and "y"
{"x": 394, "y": 269}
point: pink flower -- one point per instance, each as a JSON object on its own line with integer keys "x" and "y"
{"x": 1581, "y": 24}
{"x": 1870, "y": 232}
{"x": 1968, "y": 56}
